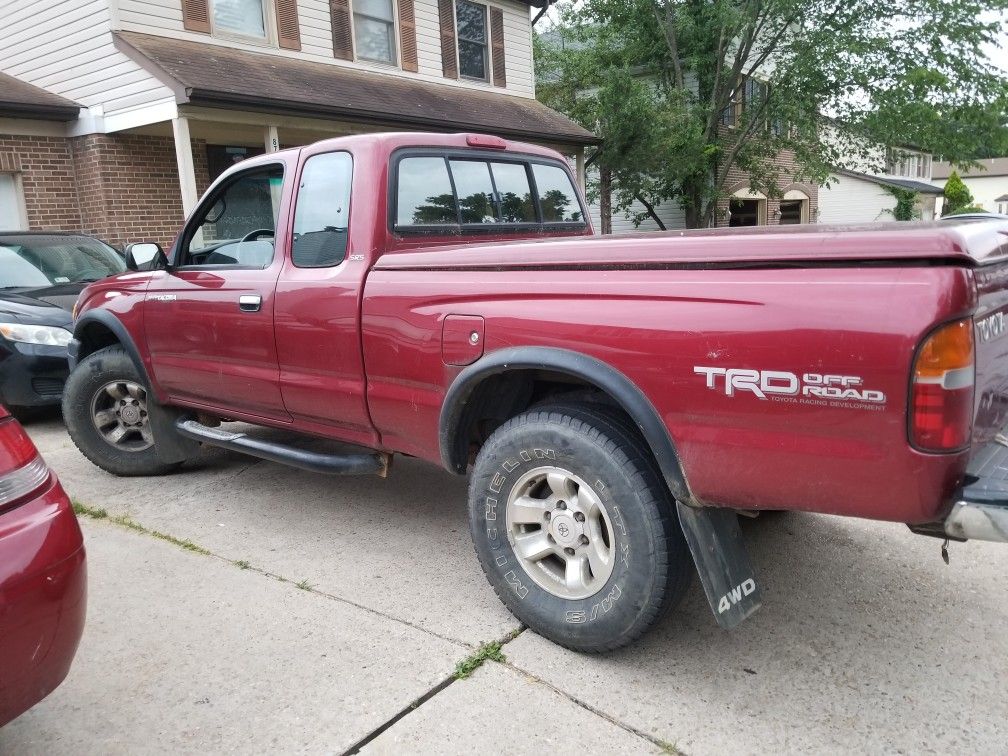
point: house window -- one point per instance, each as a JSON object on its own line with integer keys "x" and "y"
{"x": 12, "y": 215}
{"x": 745, "y": 212}
{"x": 374, "y": 30}
{"x": 245, "y": 18}
{"x": 791, "y": 212}
{"x": 729, "y": 116}
{"x": 471, "y": 20}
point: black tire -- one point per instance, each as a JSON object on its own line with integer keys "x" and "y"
{"x": 653, "y": 569}
{"x": 88, "y": 379}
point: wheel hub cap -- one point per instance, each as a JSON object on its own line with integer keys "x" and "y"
{"x": 565, "y": 531}
{"x": 560, "y": 531}
{"x": 119, "y": 414}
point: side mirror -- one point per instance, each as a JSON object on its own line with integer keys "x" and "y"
{"x": 145, "y": 256}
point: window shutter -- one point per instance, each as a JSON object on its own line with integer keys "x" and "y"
{"x": 288, "y": 28}
{"x": 342, "y": 33}
{"x": 449, "y": 56}
{"x": 196, "y": 15}
{"x": 407, "y": 36}
{"x": 497, "y": 46}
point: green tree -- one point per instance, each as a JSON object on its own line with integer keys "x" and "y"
{"x": 682, "y": 91}
{"x": 957, "y": 195}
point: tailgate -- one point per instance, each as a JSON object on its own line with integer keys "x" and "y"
{"x": 990, "y": 414}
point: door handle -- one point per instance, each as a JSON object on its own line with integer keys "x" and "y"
{"x": 249, "y": 302}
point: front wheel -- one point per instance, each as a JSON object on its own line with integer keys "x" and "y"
{"x": 106, "y": 408}
{"x": 574, "y": 527}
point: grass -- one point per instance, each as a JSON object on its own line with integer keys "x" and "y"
{"x": 241, "y": 564}
{"x": 667, "y": 747}
{"x": 474, "y": 661}
{"x": 83, "y": 510}
{"x": 95, "y": 513}
{"x": 304, "y": 585}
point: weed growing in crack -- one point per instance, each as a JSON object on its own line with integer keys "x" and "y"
{"x": 474, "y": 661}
{"x": 83, "y": 510}
{"x": 125, "y": 521}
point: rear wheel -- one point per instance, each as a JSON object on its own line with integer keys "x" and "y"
{"x": 575, "y": 528}
{"x": 107, "y": 413}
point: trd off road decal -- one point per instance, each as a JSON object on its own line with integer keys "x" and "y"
{"x": 782, "y": 386}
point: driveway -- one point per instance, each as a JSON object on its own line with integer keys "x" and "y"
{"x": 242, "y": 606}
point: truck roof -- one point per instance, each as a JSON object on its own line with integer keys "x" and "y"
{"x": 971, "y": 242}
{"x": 390, "y": 141}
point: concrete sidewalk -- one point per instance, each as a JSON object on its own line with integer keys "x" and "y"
{"x": 320, "y": 615}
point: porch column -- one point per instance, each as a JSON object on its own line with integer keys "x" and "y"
{"x": 579, "y": 163}
{"x": 272, "y": 139}
{"x": 186, "y": 170}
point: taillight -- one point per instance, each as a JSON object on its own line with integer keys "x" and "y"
{"x": 22, "y": 470}
{"x": 941, "y": 403}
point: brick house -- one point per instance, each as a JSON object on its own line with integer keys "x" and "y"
{"x": 115, "y": 115}
{"x": 796, "y": 201}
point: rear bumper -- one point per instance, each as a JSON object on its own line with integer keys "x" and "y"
{"x": 43, "y": 598}
{"x": 32, "y": 375}
{"x": 981, "y": 508}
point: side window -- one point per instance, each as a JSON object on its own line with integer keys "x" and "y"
{"x": 323, "y": 211}
{"x": 425, "y": 194}
{"x": 516, "y": 204}
{"x": 557, "y": 197}
{"x": 237, "y": 226}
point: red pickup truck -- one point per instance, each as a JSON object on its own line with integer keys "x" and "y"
{"x": 618, "y": 399}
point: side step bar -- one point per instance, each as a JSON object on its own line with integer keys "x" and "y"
{"x": 376, "y": 463}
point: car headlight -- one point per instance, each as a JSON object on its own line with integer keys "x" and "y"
{"x": 36, "y": 334}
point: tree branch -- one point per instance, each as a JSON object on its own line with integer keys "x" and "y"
{"x": 650, "y": 210}
{"x": 668, "y": 29}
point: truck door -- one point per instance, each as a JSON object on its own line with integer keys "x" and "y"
{"x": 318, "y": 301}
{"x": 209, "y": 319}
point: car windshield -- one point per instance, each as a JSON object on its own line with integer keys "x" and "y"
{"x": 43, "y": 261}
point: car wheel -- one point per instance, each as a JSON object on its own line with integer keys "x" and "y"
{"x": 575, "y": 528}
{"x": 106, "y": 410}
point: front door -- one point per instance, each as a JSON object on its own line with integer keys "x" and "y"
{"x": 209, "y": 319}
{"x": 318, "y": 303}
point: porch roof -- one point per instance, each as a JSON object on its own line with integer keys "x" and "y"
{"x": 217, "y": 76}
{"x": 19, "y": 99}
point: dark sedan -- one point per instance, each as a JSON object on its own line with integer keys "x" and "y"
{"x": 41, "y": 275}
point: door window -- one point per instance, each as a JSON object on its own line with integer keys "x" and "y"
{"x": 237, "y": 225}
{"x": 323, "y": 211}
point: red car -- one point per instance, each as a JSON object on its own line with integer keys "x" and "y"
{"x": 43, "y": 577}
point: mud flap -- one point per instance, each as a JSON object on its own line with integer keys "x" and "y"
{"x": 721, "y": 558}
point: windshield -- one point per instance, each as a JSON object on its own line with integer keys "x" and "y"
{"x": 43, "y": 261}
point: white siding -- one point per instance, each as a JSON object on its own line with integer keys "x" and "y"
{"x": 985, "y": 189}
{"x": 164, "y": 17}
{"x": 671, "y": 215}
{"x": 853, "y": 200}
{"x": 66, "y": 47}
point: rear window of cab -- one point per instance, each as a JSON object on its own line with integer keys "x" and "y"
{"x": 473, "y": 192}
